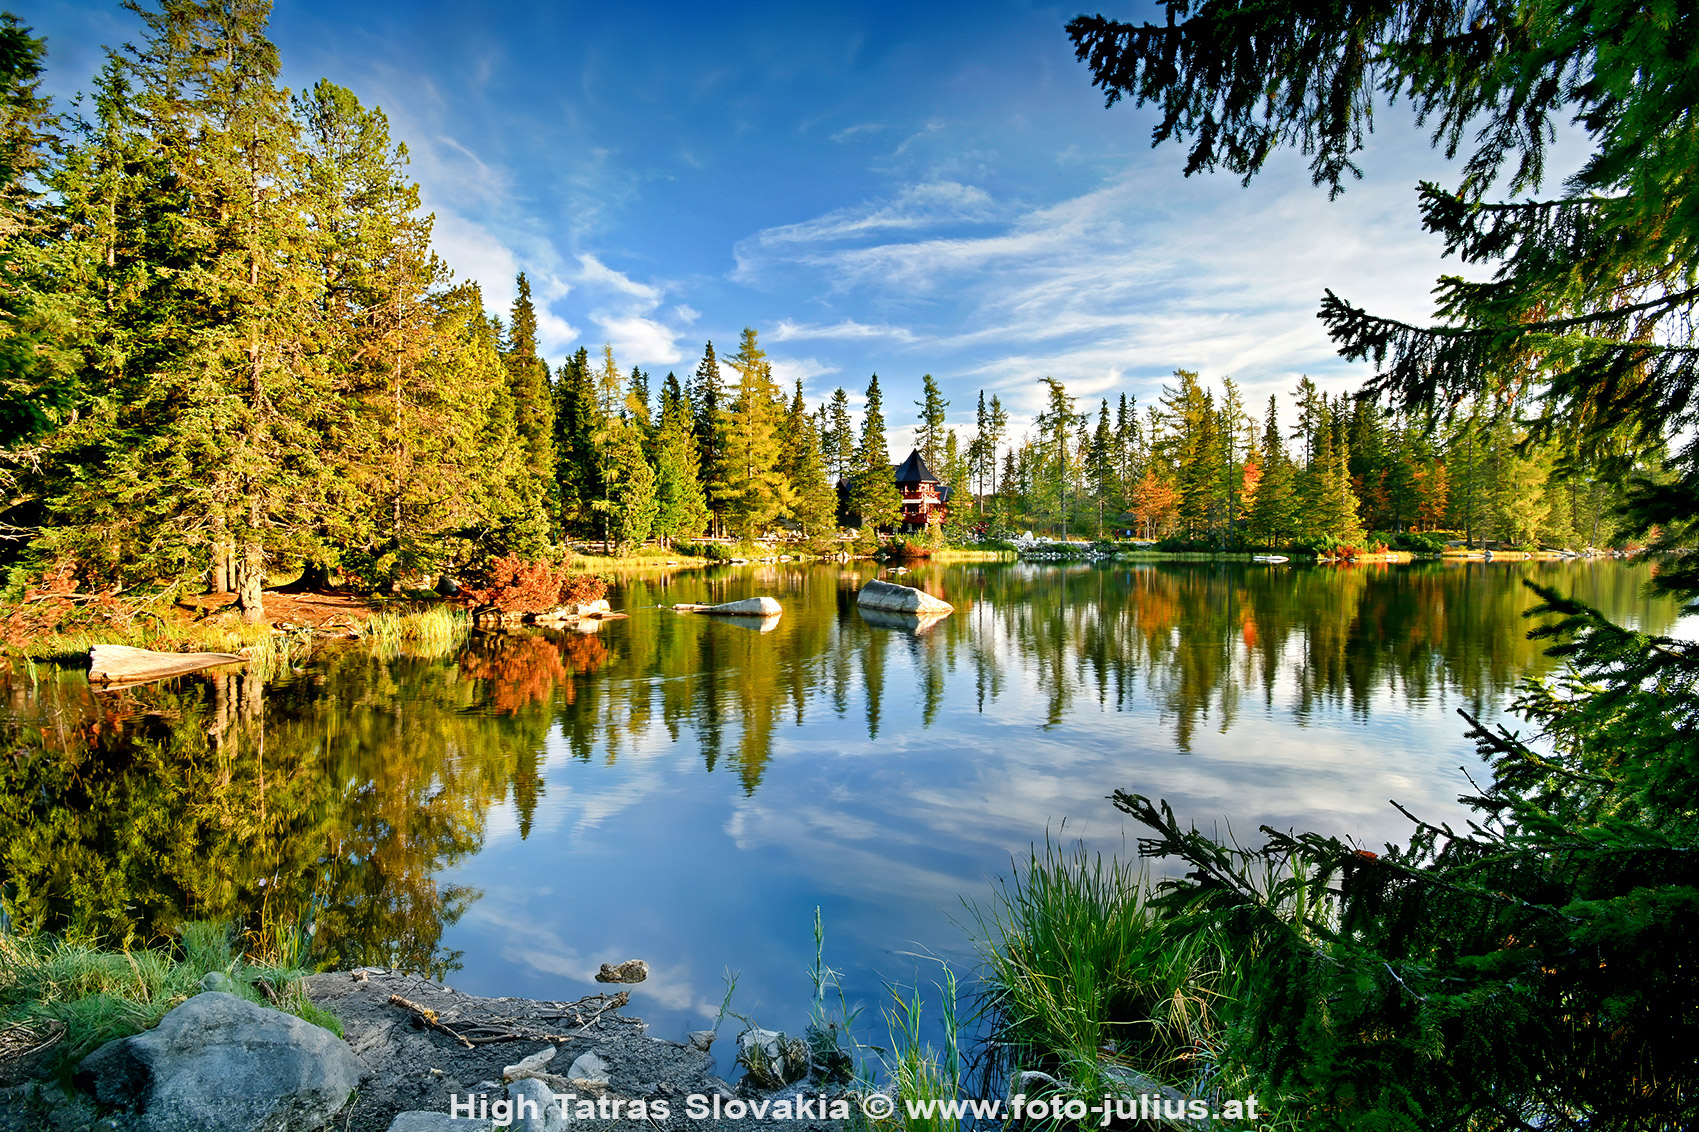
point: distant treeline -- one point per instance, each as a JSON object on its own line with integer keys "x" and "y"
{"x": 1198, "y": 466}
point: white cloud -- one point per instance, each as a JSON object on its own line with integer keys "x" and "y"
{"x": 786, "y": 371}
{"x": 594, "y": 273}
{"x": 639, "y": 341}
{"x": 846, "y": 328}
{"x": 857, "y": 130}
{"x": 927, "y": 205}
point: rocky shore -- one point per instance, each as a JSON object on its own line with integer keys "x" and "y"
{"x": 418, "y": 1056}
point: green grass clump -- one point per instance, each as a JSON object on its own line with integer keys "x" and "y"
{"x": 82, "y": 996}
{"x": 1083, "y": 976}
{"x": 436, "y": 629}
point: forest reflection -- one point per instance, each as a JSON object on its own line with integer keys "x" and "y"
{"x": 338, "y": 796}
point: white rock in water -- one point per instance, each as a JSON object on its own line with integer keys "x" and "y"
{"x": 893, "y": 598}
{"x": 749, "y": 607}
{"x": 529, "y": 1064}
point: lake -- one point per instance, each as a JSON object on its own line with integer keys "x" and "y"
{"x": 688, "y": 790}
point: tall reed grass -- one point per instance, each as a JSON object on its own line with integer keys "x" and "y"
{"x": 1084, "y": 978}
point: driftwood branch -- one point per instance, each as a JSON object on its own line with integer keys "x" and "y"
{"x": 429, "y": 1017}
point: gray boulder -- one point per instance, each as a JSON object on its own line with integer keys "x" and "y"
{"x": 534, "y": 1107}
{"x": 892, "y": 598}
{"x": 218, "y": 1061}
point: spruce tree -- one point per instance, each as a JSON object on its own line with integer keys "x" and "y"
{"x": 840, "y": 436}
{"x": 753, "y": 490}
{"x": 577, "y": 462}
{"x": 814, "y": 501}
{"x": 929, "y": 438}
{"x": 874, "y": 497}
{"x": 681, "y": 508}
{"x": 707, "y": 399}
{"x": 529, "y": 380}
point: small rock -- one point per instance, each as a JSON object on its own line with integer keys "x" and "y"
{"x": 589, "y": 1067}
{"x": 547, "y": 1116}
{"x": 631, "y": 971}
{"x": 529, "y": 1064}
{"x": 218, "y": 981}
{"x": 701, "y": 1039}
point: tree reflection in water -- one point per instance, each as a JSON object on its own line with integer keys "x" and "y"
{"x": 338, "y": 798}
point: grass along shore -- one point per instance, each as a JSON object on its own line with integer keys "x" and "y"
{"x": 61, "y": 999}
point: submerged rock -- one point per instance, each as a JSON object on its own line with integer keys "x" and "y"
{"x": 892, "y": 598}
{"x": 218, "y": 1061}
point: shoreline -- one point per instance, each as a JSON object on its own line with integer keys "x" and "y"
{"x": 421, "y": 1046}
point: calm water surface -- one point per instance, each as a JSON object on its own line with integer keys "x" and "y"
{"x": 688, "y": 790}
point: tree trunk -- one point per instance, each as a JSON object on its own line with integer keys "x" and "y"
{"x": 250, "y": 581}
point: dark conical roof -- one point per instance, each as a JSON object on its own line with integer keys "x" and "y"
{"x": 914, "y": 470}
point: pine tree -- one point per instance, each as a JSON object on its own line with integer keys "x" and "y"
{"x": 1055, "y": 425}
{"x": 1100, "y": 467}
{"x": 839, "y": 436}
{"x": 578, "y": 475}
{"x": 212, "y": 424}
{"x": 754, "y": 490}
{"x": 1271, "y": 519}
{"x": 681, "y": 507}
{"x": 707, "y": 400}
{"x": 529, "y": 380}
{"x": 814, "y": 501}
{"x": 930, "y": 436}
{"x": 628, "y": 505}
{"x": 874, "y": 498}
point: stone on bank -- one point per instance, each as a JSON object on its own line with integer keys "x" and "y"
{"x": 219, "y": 1061}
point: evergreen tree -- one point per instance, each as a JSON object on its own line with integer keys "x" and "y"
{"x": 628, "y": 505}
{"x": 212, "y": 424}
{"x": 681, "y": 508}
{"x": 1100, "y": 466}
{"x": 529, "y": 380}
{"x": 578, "y": 476}
{"x": 1271, "y": 517}
{"x": 707, "y": 399}
{"x": 753, "y": 490}
{"x": 814, "y": 501}
{"x": 874, "y": 498}
{"x": 840, "y": 437}
{"x": 637, "y": 403}
{"x": 1055, "y": 426}
{"x": 930, "y": 436}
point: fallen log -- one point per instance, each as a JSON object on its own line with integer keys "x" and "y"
{"x": 111, "y": 664}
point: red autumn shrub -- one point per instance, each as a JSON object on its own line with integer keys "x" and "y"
{"x": 517, "y": 586}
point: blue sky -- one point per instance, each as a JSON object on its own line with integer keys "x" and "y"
{"x": 900, "y": 189}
